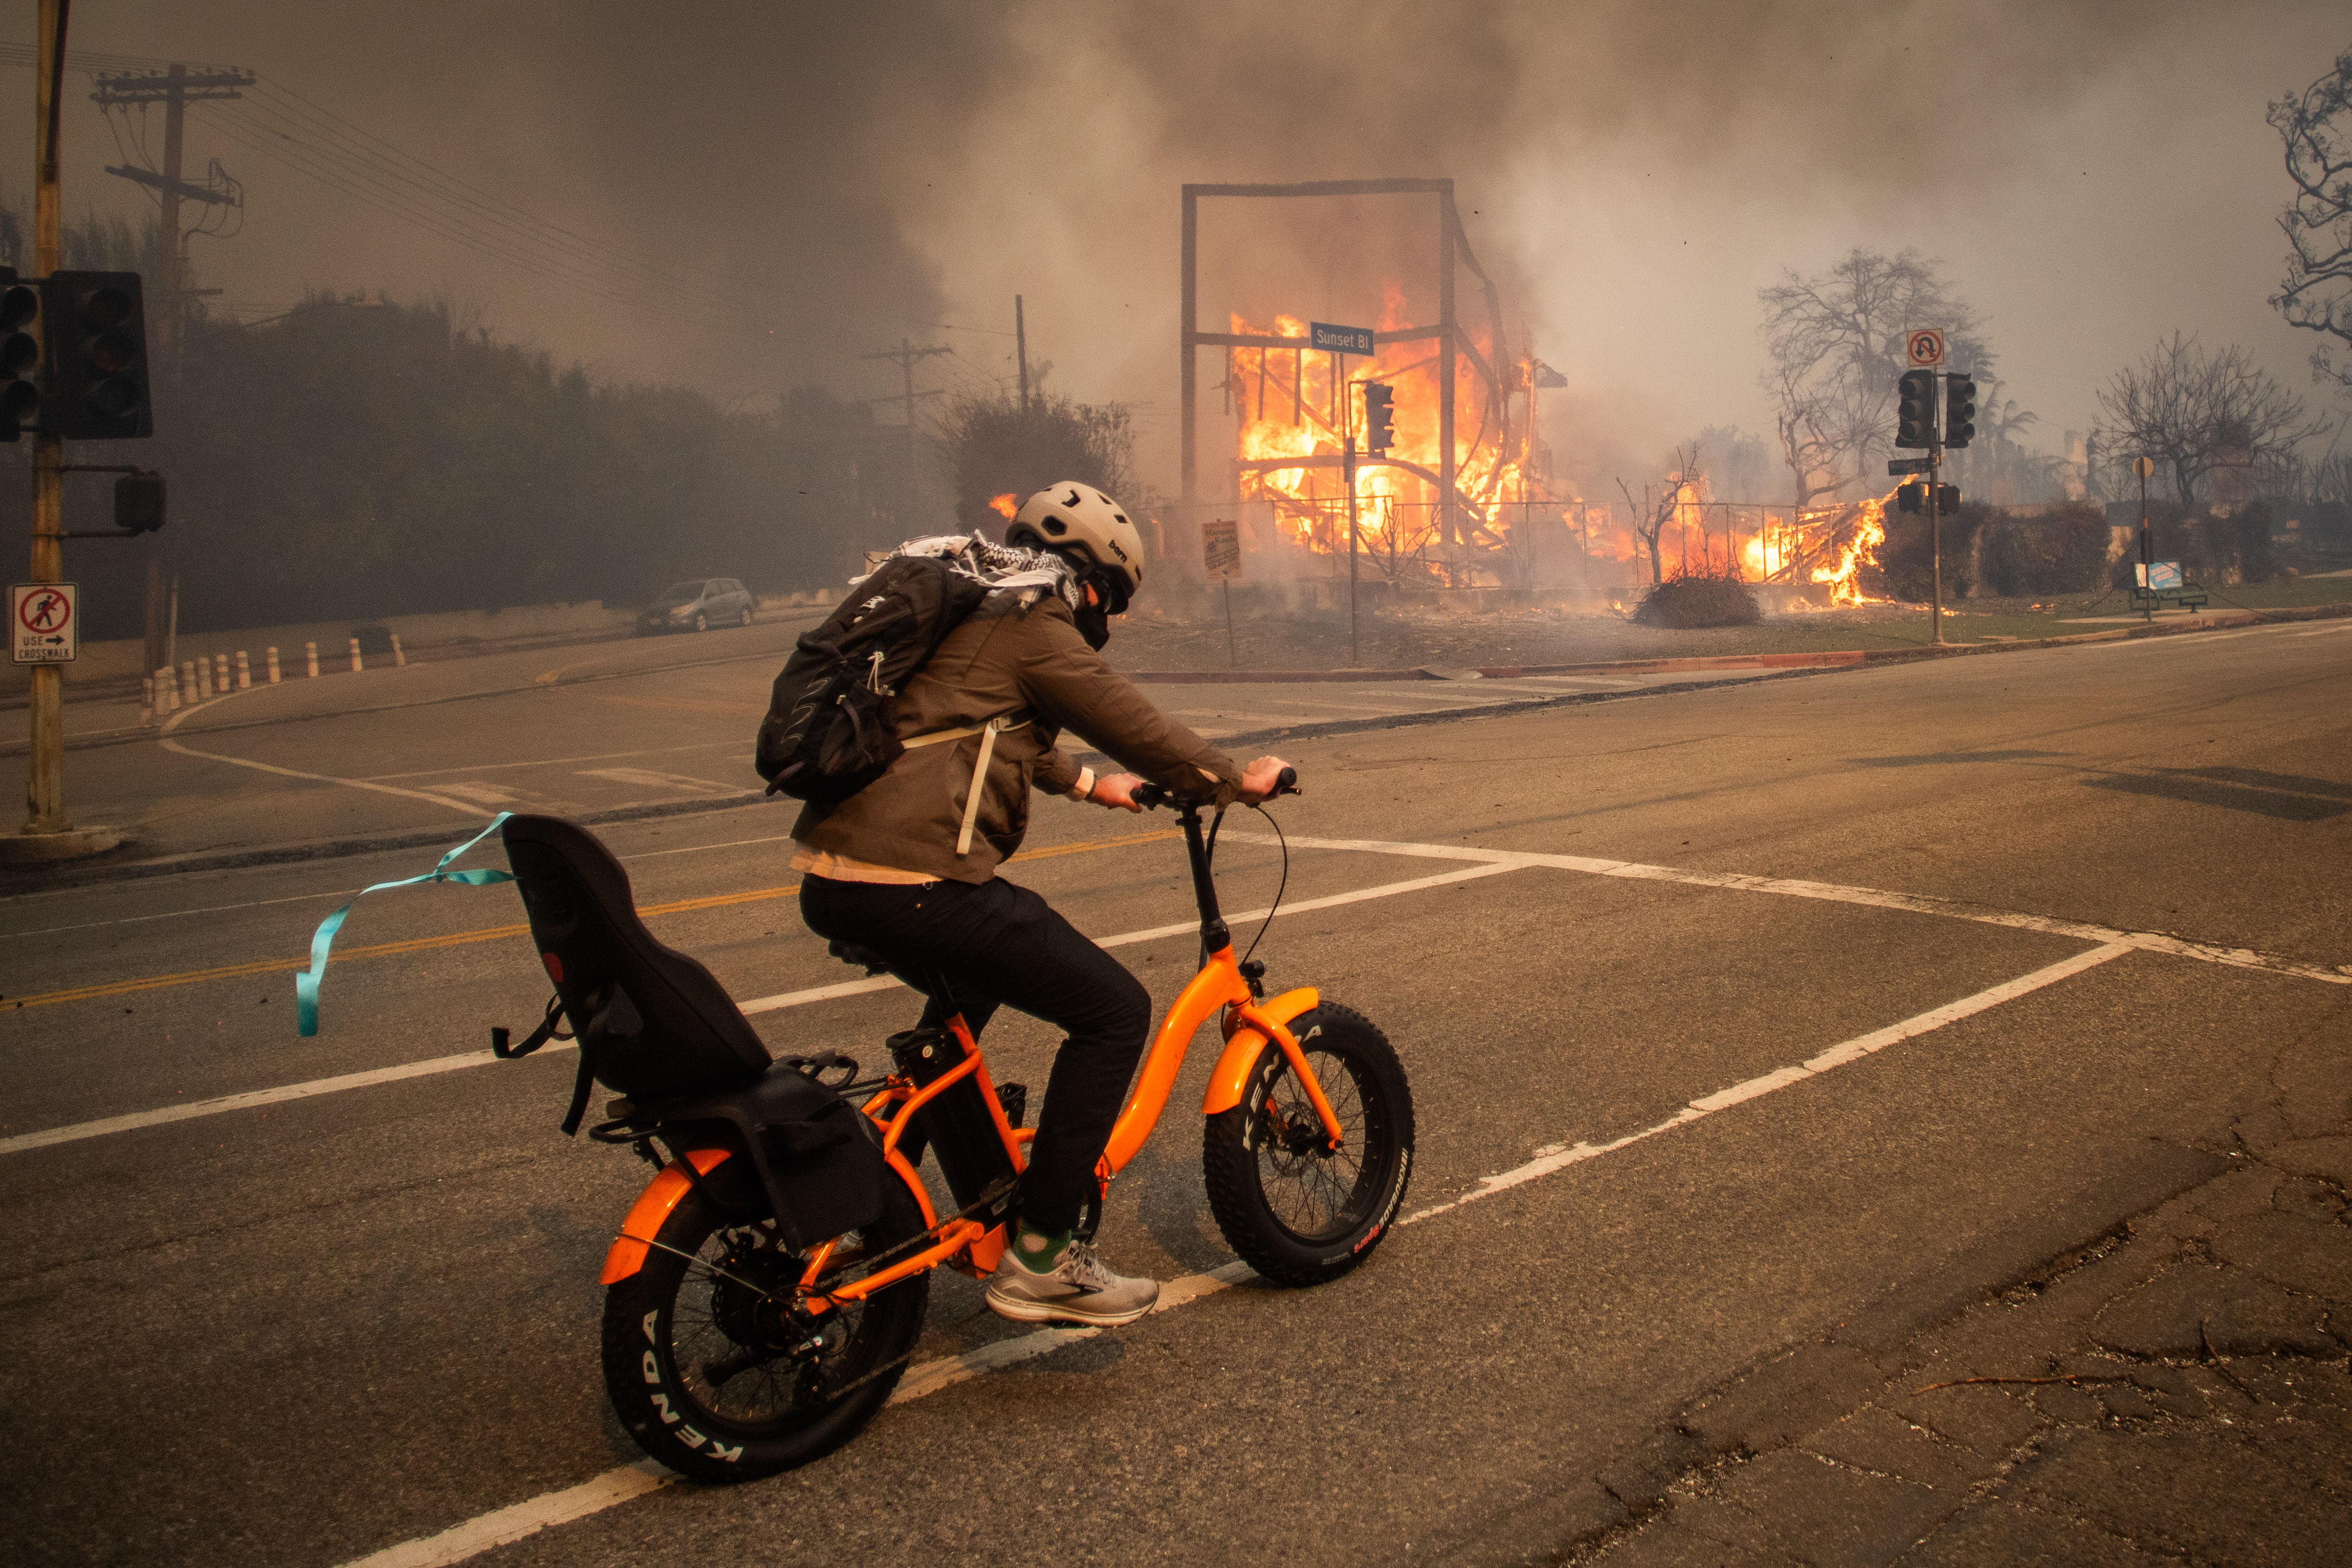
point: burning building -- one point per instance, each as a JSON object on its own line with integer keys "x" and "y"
{"x": 1461, "y": 497}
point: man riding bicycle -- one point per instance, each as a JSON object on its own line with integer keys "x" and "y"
{"x": 906, "y": 868}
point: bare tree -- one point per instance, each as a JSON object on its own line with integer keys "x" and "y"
{"x": 1836, "y": 342}
{"x": 2316, "y": 292}
{"x": 1658, "y": 507}
{"x": 2185, "y": 407}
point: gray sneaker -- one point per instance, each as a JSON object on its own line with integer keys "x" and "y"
{"x": 1077, "y": 1290}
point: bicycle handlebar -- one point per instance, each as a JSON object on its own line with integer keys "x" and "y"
{"x": 1151, "y": 797}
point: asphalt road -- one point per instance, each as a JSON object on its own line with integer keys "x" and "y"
{"x": 2069, "y": 909}
{"x": 633, "y": 727}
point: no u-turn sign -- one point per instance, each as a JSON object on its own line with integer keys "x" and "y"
{"x": 1923, "y": 347}
{"x": 43, "y": 621}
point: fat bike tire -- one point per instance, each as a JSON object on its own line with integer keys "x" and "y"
{"x": 1296, "y": 1212}
{"x": 700, "y": 1367}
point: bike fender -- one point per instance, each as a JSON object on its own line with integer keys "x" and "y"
{"x": 1232, "y": 1074}
{"x": 647, "y": 1216}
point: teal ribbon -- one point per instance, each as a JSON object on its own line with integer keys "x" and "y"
{"x": 306, "y": 984}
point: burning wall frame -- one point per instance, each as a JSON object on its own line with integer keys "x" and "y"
{"x": 1452, "y": 251}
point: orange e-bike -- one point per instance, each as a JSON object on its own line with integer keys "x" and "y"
{"x": 767, "y": 1289}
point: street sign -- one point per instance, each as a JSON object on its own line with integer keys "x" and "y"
{"x": 1923, "y": 348}
{"x": 2144, "y": 467}
{"x": 1221, "y": 548}
{"x": 43, "y": 628}
{"x": 1896, "y": 465}
{"x": 1341, "y": 340}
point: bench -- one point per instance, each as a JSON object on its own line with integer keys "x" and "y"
{"x": 2189, "y": 596}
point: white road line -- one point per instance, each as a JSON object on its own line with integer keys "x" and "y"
{"x": 345, "y": 892}
{"x": 616, "y": 1486}
{"x": 478, "y": 1535}
{"x": 1157, "y": 933}
{"x": 1560, "y": 1157}
{"x": 1911, "y": 903}
{"x": 466, "y": 807}
{"x": 562, "y": 761}
{"x": 2327, "y": 630}
{"x": 252, "y": 1099}
{"x": 646, "y": 779}
{"x": 249, "y": 1099}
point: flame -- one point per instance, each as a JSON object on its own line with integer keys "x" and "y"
{"x": 1778, "y": 546}
{"x": 1003, "y": 506}
{"x": 1290, "y": 407}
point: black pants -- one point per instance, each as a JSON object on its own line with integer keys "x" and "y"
{"x": 992, "y": 943}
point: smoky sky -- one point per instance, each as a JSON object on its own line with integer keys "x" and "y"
{"x": 812, "y": 184}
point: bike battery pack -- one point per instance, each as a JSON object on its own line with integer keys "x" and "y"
{"x": 957, "y": 1126}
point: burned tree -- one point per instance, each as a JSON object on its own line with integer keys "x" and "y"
{"x": 2189, "y": 409}
{"x": 2316, "y": 292}
{"x": 1657, "y": 508}
{"x": 1836, "y": 344}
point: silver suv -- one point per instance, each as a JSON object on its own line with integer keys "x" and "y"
{"x": 697, "y": 605}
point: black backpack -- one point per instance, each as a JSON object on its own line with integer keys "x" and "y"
{"x": 832, "y": 715}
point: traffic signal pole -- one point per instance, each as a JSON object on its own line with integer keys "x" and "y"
{"x": 1936, "y": 537}
{"x": 1354, "y": 644}
{"x": 45, "y": 782}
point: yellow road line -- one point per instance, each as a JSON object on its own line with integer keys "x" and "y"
{"x": 492, "y": 934}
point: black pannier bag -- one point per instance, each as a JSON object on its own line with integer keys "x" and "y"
{"x": 656, "y": 1027}
{"x": 833, "y": 714}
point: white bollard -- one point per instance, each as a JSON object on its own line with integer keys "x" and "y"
{"x": 310, "y": 651}
{"x": 220, "y": 673}
{"x": 356, "y": 665}
{"x": 273, "y": 667}
{"x": 167, "y": 689}
{"x": 188, "y": 681}
{"x": 244, "y": 672}
{"x": 398, "y": 658}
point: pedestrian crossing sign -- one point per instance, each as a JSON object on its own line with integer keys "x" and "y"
{"x": 44, "y": 622}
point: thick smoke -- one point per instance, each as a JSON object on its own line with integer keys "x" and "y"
{"x": 838, "y": 179}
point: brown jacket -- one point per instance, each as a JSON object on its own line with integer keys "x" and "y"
{"x": 1006, "y": 660}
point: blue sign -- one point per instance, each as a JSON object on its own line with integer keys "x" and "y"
{"x": 2163, "y": 574}
{"x": 1341, "y": 340}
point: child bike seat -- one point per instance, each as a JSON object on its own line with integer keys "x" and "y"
{"x": 652, "y": 1023}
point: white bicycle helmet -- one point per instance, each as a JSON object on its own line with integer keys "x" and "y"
{"x": 1083, "y": 520}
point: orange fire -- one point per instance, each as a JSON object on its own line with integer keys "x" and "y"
{"x": 1778, "y": 546}
{"x": 1004, "y": 506}
{"x": 1291, "y": 407}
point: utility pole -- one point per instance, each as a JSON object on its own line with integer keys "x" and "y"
{"x": 1021, "y": 347}
{"x": 906, "y": 353}
{"x": 45, "y": 780}
{"x": 174, "y": 89}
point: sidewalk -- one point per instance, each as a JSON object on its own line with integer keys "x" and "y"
{"x": 2174, "y": 1391}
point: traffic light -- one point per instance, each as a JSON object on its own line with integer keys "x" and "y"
{"x": 1913, "y": 498}
{"x": 20, "y": 355}
{"x": 138, "y": 503}
{"x": 1379, "y": 418}
{"x": 1959, "y": 410}
{"x": 1915, "y": 413}
{"x": 94, "y": 326}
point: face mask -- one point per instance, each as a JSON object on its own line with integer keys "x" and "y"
{"x": 1111, "y": 599}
